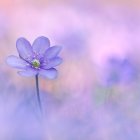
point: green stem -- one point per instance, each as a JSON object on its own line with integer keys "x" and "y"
{"x": 38, "y": 95}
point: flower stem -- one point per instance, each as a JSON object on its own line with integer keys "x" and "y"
{"x": 38, "y": 95}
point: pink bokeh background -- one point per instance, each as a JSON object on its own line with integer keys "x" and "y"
{"x": 80, "y": 104}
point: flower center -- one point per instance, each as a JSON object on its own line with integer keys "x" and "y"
{"x": 36, "y": 63}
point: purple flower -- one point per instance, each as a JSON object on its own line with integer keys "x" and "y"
{"x": 120, "y": 71}
{"x": 36, "y": 59}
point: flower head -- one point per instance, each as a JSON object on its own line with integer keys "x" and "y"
{"x": 36, "y": 59}
{"x": 120, "y": 71}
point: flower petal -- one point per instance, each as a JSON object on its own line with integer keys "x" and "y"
{"x": 24, "y": 48}
{"x": 40, "y": 45}
{"x": 52, "y": 52}
{"x": 28, "y": 72}
{"x": 52, "y": 63}
{"x": 50, "y": 74}
{"x": 16, "y": 62}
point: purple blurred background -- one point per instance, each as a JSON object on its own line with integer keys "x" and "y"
{"x": 97, "y": 93}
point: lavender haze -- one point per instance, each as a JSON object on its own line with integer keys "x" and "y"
{"x": 97, "y": 93}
